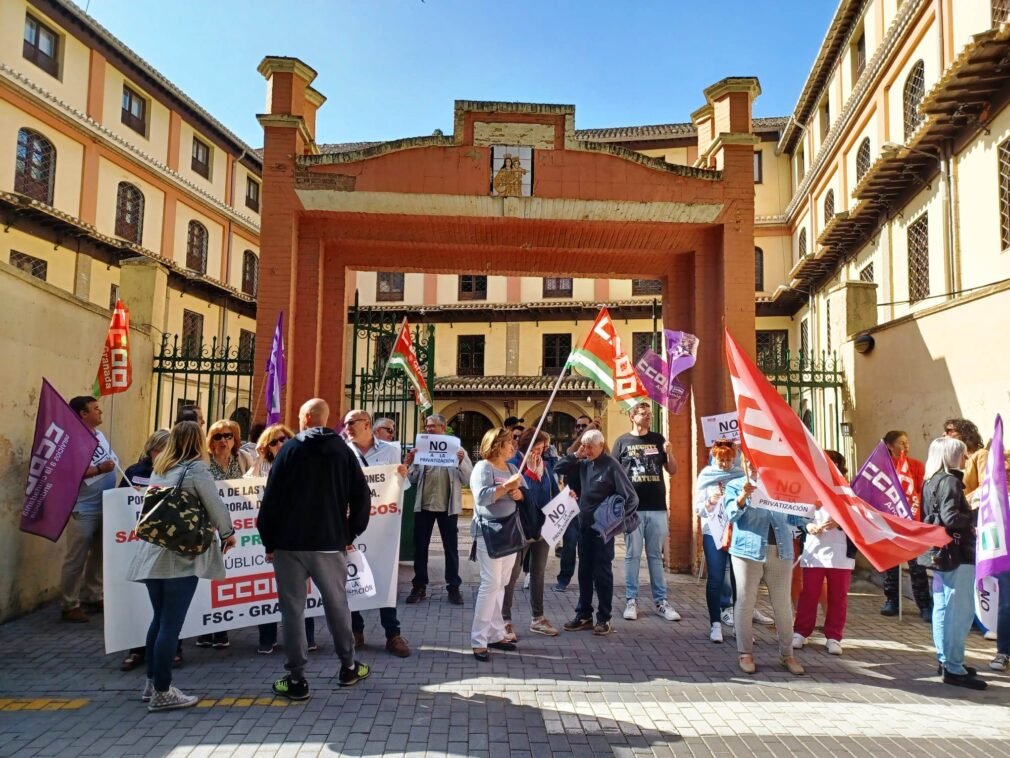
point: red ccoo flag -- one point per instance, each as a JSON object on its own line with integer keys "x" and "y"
{"x": 788, "y": 459}
{"x": 115, "y": 371}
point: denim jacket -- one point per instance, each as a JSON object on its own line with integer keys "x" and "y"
{"x": 750, "y": 526}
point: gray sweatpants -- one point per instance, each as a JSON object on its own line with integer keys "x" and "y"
{"x": 778, "y": 576}
{"x": 539, "y": 552}
{"x": 329, "y": 573}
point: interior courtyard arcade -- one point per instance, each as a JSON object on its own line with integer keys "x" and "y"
{"x": 431, "y": 205}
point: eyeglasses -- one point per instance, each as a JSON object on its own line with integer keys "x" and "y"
{"x": 221, "y": 436}
{"x": 354, "y": 421}
{"x": 277, "y": 441}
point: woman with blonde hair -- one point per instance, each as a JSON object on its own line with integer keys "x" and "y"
{"x": 171, "y": 578}
{"x": 227, "y": 459}
{"x": 495, "y": 484}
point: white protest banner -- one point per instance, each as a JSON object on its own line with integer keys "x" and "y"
{"x": 436, "y": 450}
{"x": 360, "y": 582}
{"x": 722, "y": 426}
{"x": 716, "y": 518}
{"x": 559, "y": 512}
{"x": 248, "y": 594}
{"x": 761, "y": 499}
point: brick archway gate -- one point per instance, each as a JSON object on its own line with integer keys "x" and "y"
{"x": 427, "y": 205}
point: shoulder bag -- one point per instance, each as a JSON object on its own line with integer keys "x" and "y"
{"x": 175, "y": 519}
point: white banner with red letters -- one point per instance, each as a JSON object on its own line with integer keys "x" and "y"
{"x": 247, "y": 596}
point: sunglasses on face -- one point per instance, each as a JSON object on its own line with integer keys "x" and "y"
{"x": 277, "y": 441}
{"x": 221, "y": 436}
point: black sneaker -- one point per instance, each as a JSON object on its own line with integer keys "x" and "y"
{"x": 970, "y": 669}
{"x": 503, "y": 645}
{"x": 890, "y": 608}
{"x": 964, "y": 680}
{"x": 290, "y": 689}
{"x": 577, "y": 625}
{"x": 927, "y": 615}
{"x": 353, "y": 675}
{"x": 203, "y": 641}
{"x": 455, "y": 596}
{"x": 602, "y": 629}
{"x": 417, "y": 594}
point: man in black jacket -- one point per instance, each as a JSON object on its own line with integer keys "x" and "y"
{"x": 316, "y": 503}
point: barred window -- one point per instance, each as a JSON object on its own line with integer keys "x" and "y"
{"x": 759, "y": 270}
{"x": 472, "y": 288}
{"x": 640, "y": 342}
{"x": 389, "y": 287}
{"x": 557, "y": 286}
{"x": 35, "y": 166}
{"x": 41, "y": 46}
{"x": 858, "y": 57}
{"x": 192, "y": 333}
{"x": 772, "y": 348}
{"x": 646, "y": 287}
{"x": 1000, "y": 12}
{"x": 196, "y": 247}
{"x": 918, "y": 259}
{"x": 827, "y": 326}
{"x": 829, "y": 206}
{"x": 1004, "y": 192}
{"x": 30, "y": 264}
{"x": 470, "y": 355}
{"x": 866, "y": 273}
{"x": 556, "y": 350}
{"x": 802, "y": 244}
{"x": 250, "y": 273}
{"x": 862, "y": 159}
{"x": 805, "y": 339}
{"x": 129, "y": 213}
{"x": 825, "y": 119}
{"x": 246, "y": 344}
{"x": 915, "y": 90}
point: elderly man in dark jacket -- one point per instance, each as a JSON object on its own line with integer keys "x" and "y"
{"x": 595, "y": 476}
{"x": 316, "y": 503}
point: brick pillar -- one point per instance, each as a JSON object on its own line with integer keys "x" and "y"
{"x": 336, "y": 282}
{"x": 303, "y": 325}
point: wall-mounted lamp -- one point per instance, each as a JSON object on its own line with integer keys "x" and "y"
{"x": 864, "y": 343}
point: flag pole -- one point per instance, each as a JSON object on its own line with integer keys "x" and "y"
{"x": 385, "y": 370}
{"x": 540, "y": 422}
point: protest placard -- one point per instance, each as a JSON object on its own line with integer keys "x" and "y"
{"x": 559, "y": 512}
{"x": 436, "y": 450}
{"x": 722, "y": 426}
{"x": 761, "y": 499}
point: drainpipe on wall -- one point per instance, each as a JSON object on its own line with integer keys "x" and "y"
{"x": 953, "y": 272}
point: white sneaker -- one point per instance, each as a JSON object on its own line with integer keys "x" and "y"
{"x": 799, "y": 641}
{"x": 148, "y": 693}
{"x": 666, "y": 611}
{"x": 727, "y": 616}
{"x": 526, "y": 582}
{"x": 171, "y": 699}
{"x": 834, "y": 647}
{"x": 990, "y": 635}
{"x": 760, "y": 618}
{"x": 631, "y": 610}
{"x": 716, "y": 634}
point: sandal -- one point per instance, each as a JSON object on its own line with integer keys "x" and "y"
{"x": 747, "y": 663}
{"x": 131, "y": 661}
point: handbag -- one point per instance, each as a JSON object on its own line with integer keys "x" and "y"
{"x": 175, "y": 519}
{"x": 502, "y": 536}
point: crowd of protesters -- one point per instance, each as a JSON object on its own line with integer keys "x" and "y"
{"x": 317, "y": 502}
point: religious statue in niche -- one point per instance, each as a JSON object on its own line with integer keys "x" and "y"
{"x": 511, "y": 171}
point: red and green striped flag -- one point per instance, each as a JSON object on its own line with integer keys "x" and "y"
{"x": 602, "y": 359}
{"x": 404, "y": 358}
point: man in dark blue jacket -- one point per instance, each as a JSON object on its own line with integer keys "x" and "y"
{"x": 316, "y": 503}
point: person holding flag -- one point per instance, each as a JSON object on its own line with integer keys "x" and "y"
{"x": 992, "y": 549}
{"x": 1001, "y": 662}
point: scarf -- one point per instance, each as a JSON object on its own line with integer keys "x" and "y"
{"x": 712, "y": 475}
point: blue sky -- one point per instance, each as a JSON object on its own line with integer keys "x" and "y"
{"x": 392, "y": 68}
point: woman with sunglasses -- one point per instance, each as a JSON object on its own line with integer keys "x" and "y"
{"x": 227, "y": 461}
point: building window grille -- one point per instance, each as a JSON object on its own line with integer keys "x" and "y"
{"x": 41, "y": 46}
{"x": 129, "y": 213}
{"x": 250, "y": 273}
{"x": 557, "y": 286}
{"x": 801, "y": 165}
{"x": 825, "y": 119}
{"x": 470, "y": 355}
{"x": 134, "y": 113}
{"x": 113, "y": 296}
{"x": 196, "y": 247}
{"x": 862, "y": 159}
{"x": 389, "y": 287}
{"x": 557, "y": 347}
{"x": 30, "y": 264}
{"x": 805, "y": 339}
{"x": 859, "y": 57}
{"x": 759, "y": 270}
{"x": 829, "y": 206}
{"x": 192, "y": 334}
{"x": 802, "y": 244}
{"x": 1000, "y": 12}
{"x": 646, "y": 287}
{"x": 827, "y": 326}
{"x": 772, "y": 348}
{"x": 472, "y": 287}
{"x": 1004, "y": 193}
{"x": 246, "y": 344}
{"x": 640, "y": 342}
{"x": 915, "y": 90}
{"x": 201, "y": 158}
{"x": 252, "y": 194}
{"x": 35, "y": 166}
{"x": 866, "y": 273}
{"x": 918, "y": 259}
{"x": 759, "y": 173}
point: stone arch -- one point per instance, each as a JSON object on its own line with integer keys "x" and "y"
{"x": 477, "y": 406}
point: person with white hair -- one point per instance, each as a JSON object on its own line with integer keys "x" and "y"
{"x": 944, "y": 504}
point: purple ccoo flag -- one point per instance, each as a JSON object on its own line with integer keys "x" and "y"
{"x": 992, "y": 555}
{"x": 654, "y": 373}
{"x": 61, "y": 453}
{"x": 681, "y": 351}
{"x": 877, "y": 483}
{"x": 277, "y": 374}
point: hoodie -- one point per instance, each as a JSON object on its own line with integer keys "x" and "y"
{"x": 316, "y": 496}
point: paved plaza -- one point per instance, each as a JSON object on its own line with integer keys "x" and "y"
{"x": 652, "y": 688}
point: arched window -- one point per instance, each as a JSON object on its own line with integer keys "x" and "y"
{"x": 802, "y": 245}
{"x": 250, "y": 273}
{"x": 759, "y": 270}
{"x": 196, "y": 247}
{"x": 829, "y": 206}
{"x": 35, "y": 166}
{"x": 915, "y": 89}
{"x": 862, "y": 159}
{"x": 129, "y": 213}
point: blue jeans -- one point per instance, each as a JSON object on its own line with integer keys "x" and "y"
{"x": 953, "y": 614}
{"x": 170, "y": 599}
{"x": 1003, "y": 614}
{"x": 718, "y": 591}
{"x": 651, "y": 535}
{"x": 569, "y": 551}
